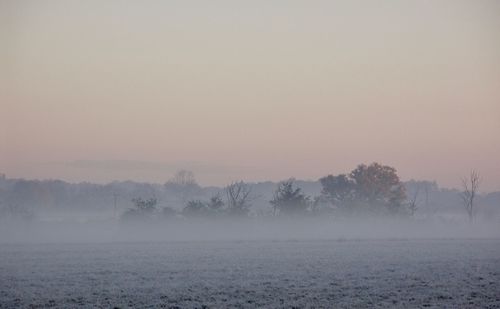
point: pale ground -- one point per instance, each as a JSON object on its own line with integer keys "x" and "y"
{"x": 271, "y": 274}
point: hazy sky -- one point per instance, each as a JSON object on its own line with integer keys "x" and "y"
{"x": 103, "y": 90}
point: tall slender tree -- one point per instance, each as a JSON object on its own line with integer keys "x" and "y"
{"x": 470, "y": 187}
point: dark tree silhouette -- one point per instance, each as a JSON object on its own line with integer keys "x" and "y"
{"x": 288, "y": 200}
{"x": 372, "y": 188}
{"x": 143, "y": 205}
{"x": 143, "y": 208}
{"x": 470, "y": 187}
{"x": 216, "y": 203}
{"x": 338, "y": 190}
{"x": 196, "y": 208}
{"x": 238, "y": 198}
{"x": 412, "y": 203}
{"x": 379, "y": 186}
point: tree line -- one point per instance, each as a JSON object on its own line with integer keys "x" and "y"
{"x": 368, "y": 190}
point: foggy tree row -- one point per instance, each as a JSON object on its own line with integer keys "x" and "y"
{"x": 374, "y": 190}
{"x": 367, "y": 190}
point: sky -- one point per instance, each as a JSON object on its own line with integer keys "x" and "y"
{"x": 255, "y": 90}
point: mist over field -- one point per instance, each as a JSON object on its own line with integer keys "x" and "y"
{"x": 363, "y": 239}
{"x": 333, "y": 208}
{"x": 243, "y": 230}
{"x": 249, "y": 154}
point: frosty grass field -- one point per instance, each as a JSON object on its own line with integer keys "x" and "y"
{"x": 272, "y": 274}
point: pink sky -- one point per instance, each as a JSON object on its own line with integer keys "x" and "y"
{"x": 97, "y": 91}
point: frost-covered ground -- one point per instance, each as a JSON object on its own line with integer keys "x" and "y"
{"x": 272, "y": 274}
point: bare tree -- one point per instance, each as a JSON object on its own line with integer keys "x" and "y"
{"x": 412, "y": 205}
{"x": 470, "y": 187}
{"x": 238, "y": 198}
{"x": 183, "y": 185}
{"x": 183, "y": 178}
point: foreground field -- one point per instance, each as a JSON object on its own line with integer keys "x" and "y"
{"x": 354, "y": 273}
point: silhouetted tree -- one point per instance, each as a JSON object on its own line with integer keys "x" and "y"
{"x": 238, "y": 198}
{"x": 421, "y": 191}
{"x": 196, "y": 208}
{"x": 412, "y": 203}
{"x": 216, "y": 203}
{"x": 378, "y": 186}
{"x": 143, "y": 205}
{"x": 183, "y": 185}
{"x": 183, "y": 178}
{"x": 368, "y": 188}
{"x": 142, "y": 209}
{"x": 288, "y": 200}
{"x": 470, "y": 187}
{"x": 338, "y": 190}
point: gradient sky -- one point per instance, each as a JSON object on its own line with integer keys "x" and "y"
{"x": 103, "y": 90}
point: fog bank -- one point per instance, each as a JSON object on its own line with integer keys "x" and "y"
{"x": 279, "y": 229}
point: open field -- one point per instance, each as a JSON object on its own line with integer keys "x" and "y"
{"x": 348, "y": 273}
